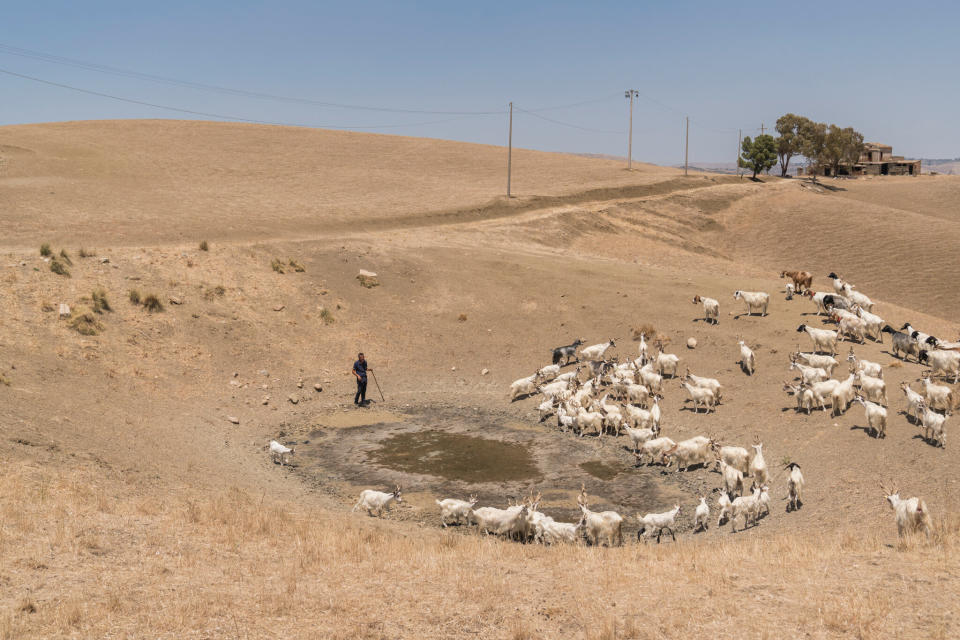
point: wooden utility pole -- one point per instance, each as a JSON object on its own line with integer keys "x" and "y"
{"x": 686, "y": 151}
{"x": 510, "y": 150}
{"x": 739, "y": 145}
{"x": 762, "y": 128}
{"x": 630, "y": 94}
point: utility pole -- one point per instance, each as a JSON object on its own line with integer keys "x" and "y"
{"x": 630, "y": 94}
{"x": 762, "y": 128}
{"x": 686, "y": 151}
{"x": 739, "y": 145}
{"x": 510, "y": 150}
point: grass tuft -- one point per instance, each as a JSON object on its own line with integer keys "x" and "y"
{"x": 45, "y": 250}
{"x": 152, "y": 303}
{"x": 462, "y": 317}
{"x": 647, "y": 330}
{"x": 4, "y": 380}
{"x": 204, "y": 245}
{"x": 83, "y": 253}
{"x": 59, "y": 268}
{"x": 134, "y": 296}
{"x": 297, "y": 266}
{"x": 66, "y": 257}
{"x": 47, "y": 307}
{"x": 326, "y": 316}
{"x": 85, "y": 322}
{"x": 100, "y": 302}
{"x": 277, "y": 266}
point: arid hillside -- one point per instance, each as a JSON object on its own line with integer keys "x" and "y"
{"x": 139, "y": 498}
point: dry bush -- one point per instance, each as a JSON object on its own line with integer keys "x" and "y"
{"x": 896, "y": 364}
{"x": 204, "y": 245}
{"x": 84, "y": 322}
{"x": 4, "y": 380}
{"x": 152, "y": 303}
{"x": 59, "y": 268}
{"x": 66, "y": 257}
{"x": 134, "y": 296}
{"x": 83, "y": 253}
{"x": 299, "y": 268}
{"x": 368, "y": 282}
{"x": 326, "y": 316}
{"x": 647, "y": 330}
{"x": 216, "y": 292}
{"x": 45, "y": 250}
{"x": 462, "y": 317}
{"x": 100, "y": 302}
{"x": 47, "y": 306}
{"x": 277, "y": 266}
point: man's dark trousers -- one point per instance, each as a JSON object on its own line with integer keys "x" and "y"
{"x": 361, "y": 396}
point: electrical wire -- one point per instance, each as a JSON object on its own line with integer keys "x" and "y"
{"x": 566, "y": 124}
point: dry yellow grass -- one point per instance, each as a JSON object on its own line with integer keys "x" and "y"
{"x": 232, "y": 563}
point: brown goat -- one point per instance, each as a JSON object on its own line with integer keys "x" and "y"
{"x": 801, "y": 279}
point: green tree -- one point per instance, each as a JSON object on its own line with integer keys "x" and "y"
{"x": 841, "y": 147}
{"x": 758, "y": 154}
{"x": 813, "y": 137}
{"x": 790, "y": 142}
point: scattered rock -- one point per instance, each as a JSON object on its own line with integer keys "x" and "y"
{"x": 107, "y": 261}
{"x": 233, "y": 419}
{"x": 64, "y": 310}
{"x": 266, "y": 400}
{"x": 280, "y": 307}
{"x": 453, "y": 368}
{"x": 235, "y": 383}
{"x": 691, "y": 343}
{"x": 293, "y": 399}
{"x": 485, "y": 372}
{"x": 300, "y": 383}
{"x": 264, "y": 372}
{"x": 236, "y": 373}
{"x": 368, "y": 279}
{"x": 176, "y": 300}
{"x": 317, "y": 387}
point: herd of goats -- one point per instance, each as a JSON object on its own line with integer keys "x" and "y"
{"x": 623, "y": 398}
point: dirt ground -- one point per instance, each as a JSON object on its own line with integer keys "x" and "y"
{"x": 138, "y": 495}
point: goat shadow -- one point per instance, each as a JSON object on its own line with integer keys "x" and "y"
{"x": 711, "y": 322}
{"x": 870, "y": 431}
{"x": 929, "y": 441}
{"x": 750, "y": 314}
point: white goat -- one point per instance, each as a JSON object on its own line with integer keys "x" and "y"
{"x": 711, "y": 309}
{"x": 872, "y": 388}
{"x": 457, "y": 510}
{"x": 942, "y": 363}
{"x": 700, "y": 396}
{"x": 376, "y": 501}
{"x": 523, "y": 387}
{"x": 589, "y": 420}
{"x": 914, "y": 401}
{"x": 874, "y": 323}
{"x": 658, "y": 522}
{"x": 707, "y": 383}
{"x": 686, "y": 453}
{"x": 732, "y": 479}
{"x": 912, "y": 513}
{"x": 853, "y": 327}
{"x": 654, "y": 448}
{"x": 596, "y": 352}
{"x": 758, "y": 466}
{"x": 736, "y": 457}
{"x": 827, "y": 363}
{"x": 701, "y": 517}
{"x": 823, "y": 339}
{"x": 857, "y": 298}
{"x": 933, "y": 425}
{"x": 725, "y": 506}
{"x": 876, "y": 416}
{"x": 842, "y": 396}
{"x": 803, "y": 395}
{"x": 280, "y": 452}
{"x": 651, "y": 379}
{"x": 755, "y": 300}
{"x": 549, "y": 372}
{"x": 748, "y": 361}
{"x": 600, "y": 525}
{"x": 746, "y": 506}
{"x": 936, "y": 396}
{"x": 794, "y": 487}
{"x": 666, "y": 363}
{"x": 504, "y": 522}
{"x": 809, "y": 374}
{"x": 637, "y": 394}
{"x": 870, "y": 368}
{"x": 639, "y": 436}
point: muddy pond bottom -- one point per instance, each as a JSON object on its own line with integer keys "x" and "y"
{"x": 456, "y": 456}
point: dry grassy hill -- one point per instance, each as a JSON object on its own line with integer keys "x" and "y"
{"x": 131, "y": 504}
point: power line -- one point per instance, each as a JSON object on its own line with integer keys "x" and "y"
{"x": 566, "y": 124}
{"x": 221, "y": 116}
{"x": 90, "y": 66}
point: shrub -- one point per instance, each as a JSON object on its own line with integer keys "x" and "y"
{"x": 85, "y": 323}
{"x": 134, "y": 296}
{"x": 83, "y": 253}
{"x": 4, "y": 380}
{"x": 47, "y": 306}
{"x": 59, "y": 268}
{"x": 152, "y": 303}
{"x": 100, "y": 303}
{"x": 277, "y": 266}
{"x": 326, "y": 316}
{"x": 462, "y": 317}
{"x": 66, "y": 257}
{"x": 45, "y": 250}
{"x": 296, "y": 266}
{"x": 204, "y": 246}
{"x": 645, "y": 329}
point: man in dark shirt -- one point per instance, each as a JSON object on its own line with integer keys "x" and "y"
{"x": 360, "y": 371}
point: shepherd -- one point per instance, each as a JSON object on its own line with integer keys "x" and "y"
{"x": 360, "y": 369}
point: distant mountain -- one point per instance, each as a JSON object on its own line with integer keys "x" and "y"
{"x": 941, "y": 165}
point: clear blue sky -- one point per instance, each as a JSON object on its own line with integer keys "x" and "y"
{"x": 887, "y": 68}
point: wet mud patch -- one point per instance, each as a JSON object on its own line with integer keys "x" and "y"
{"x": 449, "y": 452}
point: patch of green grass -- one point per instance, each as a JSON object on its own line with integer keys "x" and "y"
{"x": 134, "y": 296}
{"x": 204, "y": 245}
{"x": 59, "y": 268}
{"x": 45, "y": 250}
{"x": 84, "y": 322}
{"x": 296, "y": 266}
{"x": 277, "y": 266}
{"x": 66, "y": 257}
{"x": 100, "y": 302}
{"x": 152, "y": 303}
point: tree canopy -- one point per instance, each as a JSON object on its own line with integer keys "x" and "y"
{"x": 822, "y": 145}
{"x": 841, "y": 146}
{"x": 791, "y": 128}
{"x": 758, "y": 154}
